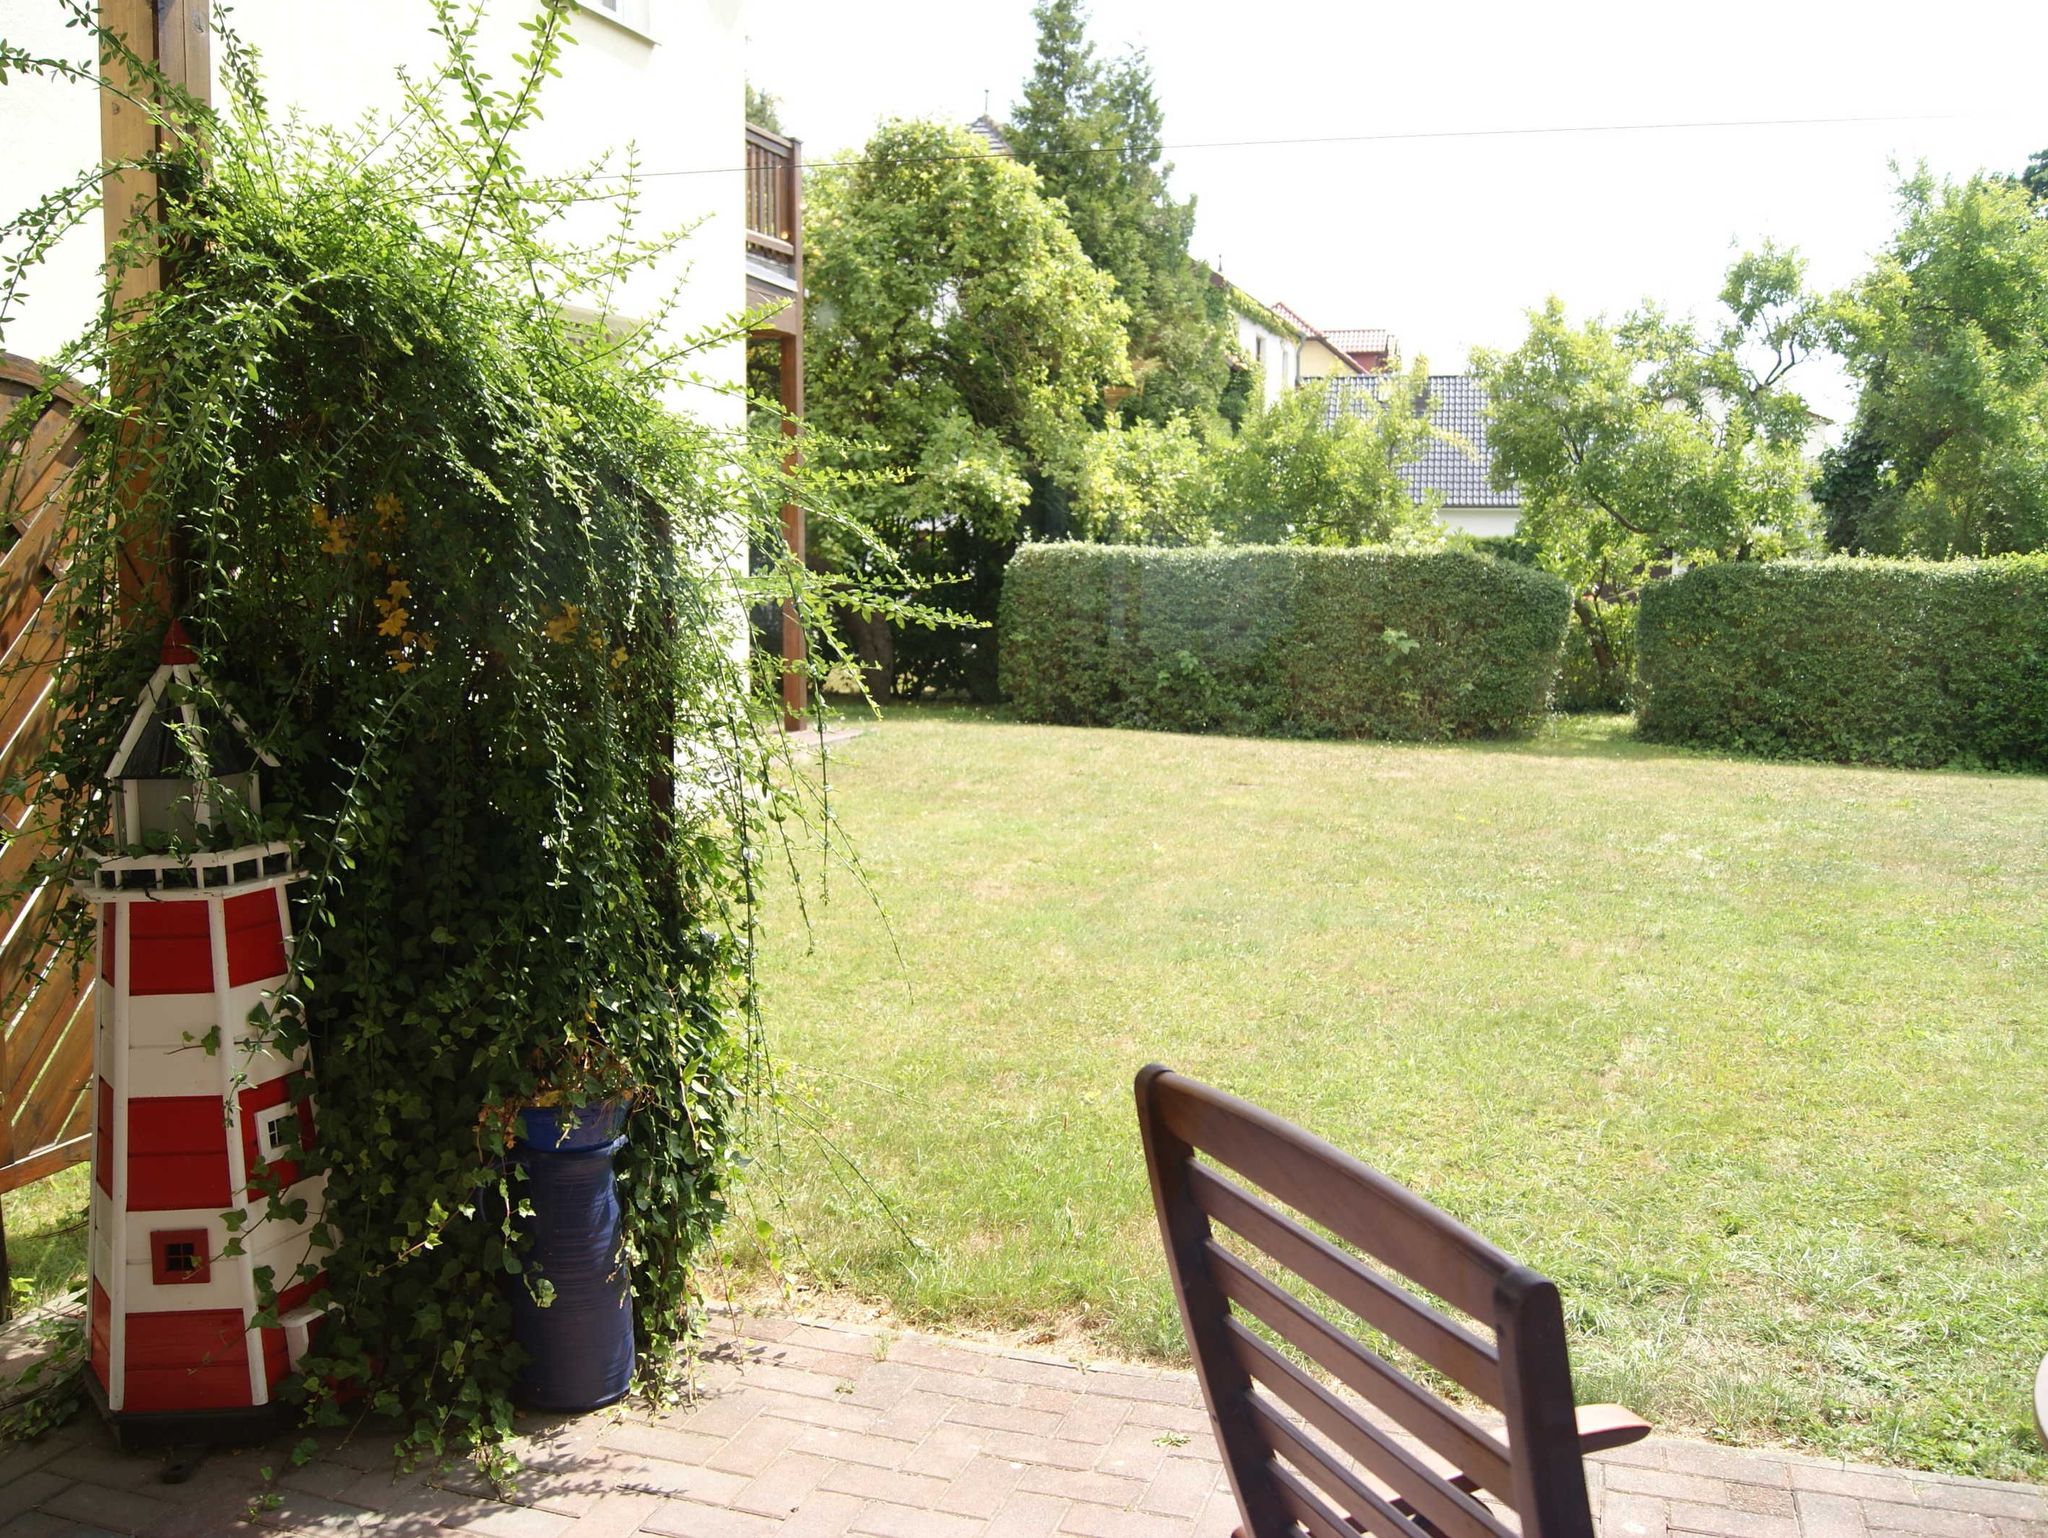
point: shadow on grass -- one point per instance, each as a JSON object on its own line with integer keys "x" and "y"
{"x": 1610, "y": 737}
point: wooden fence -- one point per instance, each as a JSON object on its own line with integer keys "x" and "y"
{"x": 46, "y": 1040}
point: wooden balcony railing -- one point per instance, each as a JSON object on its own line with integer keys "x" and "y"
{"x": 774, "y": 198}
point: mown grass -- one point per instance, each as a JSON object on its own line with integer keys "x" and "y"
{"x": 1747, "y": 1056}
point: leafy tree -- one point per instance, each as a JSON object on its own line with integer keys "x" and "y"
{"x": 1949, "y": 336}
{"x": 1649, "y": 440}
{"x": 958, "y": 341}
{"x": 1092, "y": 131}
{"x": 2035, "y": 177}
{"x": 1294, "y": 475}
{"x": 763, "y": 110}
{"x": 1144, "y": 485}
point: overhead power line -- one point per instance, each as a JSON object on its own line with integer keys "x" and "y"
{"x": 1393, "y": 136}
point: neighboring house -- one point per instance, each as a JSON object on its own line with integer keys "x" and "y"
{"x": 1457, "y": 465}
{"x": 1372, "y": 348}
{"x": 1261, "y": 338}
{"x": 1320, "y": 358}
{"x": 665, "y": 76}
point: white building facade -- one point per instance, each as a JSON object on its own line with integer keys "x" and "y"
{"x": 664, "y": 75}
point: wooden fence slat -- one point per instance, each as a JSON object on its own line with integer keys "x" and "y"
{"x": 48, "y": 1106}
{"x": 46, "y": 1043}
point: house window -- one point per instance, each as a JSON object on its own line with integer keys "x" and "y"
{"x": 178, "y": 1256}
{"x": 630, "y": 14}
{"x": 1259, "y": 347}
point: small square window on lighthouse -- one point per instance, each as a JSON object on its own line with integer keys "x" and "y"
{"x": 276, "y": 1131}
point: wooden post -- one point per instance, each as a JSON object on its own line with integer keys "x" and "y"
{"x": 796, "y": 702}
{"x": 173, "y": 36}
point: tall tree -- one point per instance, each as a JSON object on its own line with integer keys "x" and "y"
{"x": 1650, "y": 440}
{"x": 958, "y": 341}
{"x": 2035, "y": 177}
{"x": 1949, "y": 336}
{"x": 1093, "y": 132}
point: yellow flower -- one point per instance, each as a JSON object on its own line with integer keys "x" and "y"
{"x": 619, "y": 657}
{"x": 386, "y": 506}
{"x": 563, "y": 625}
{"x": 399, "y": 589}
{"x": 394, "y": 622}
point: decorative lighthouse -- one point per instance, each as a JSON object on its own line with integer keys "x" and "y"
{"x": 196, "y": 1118}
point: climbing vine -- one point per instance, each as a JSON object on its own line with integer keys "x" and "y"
{"x": 481, "y": 593}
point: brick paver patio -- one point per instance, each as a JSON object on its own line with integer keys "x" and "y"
{"x": 811, "y": 1430}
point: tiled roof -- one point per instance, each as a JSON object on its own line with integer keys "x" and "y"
{"x": 1458, "y": 471}
{"x": 1310, "y": 333}
{"x": 984, "y": 128}
{"x": 1365, "y": 339}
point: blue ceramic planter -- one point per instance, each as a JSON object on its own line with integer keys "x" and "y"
{"x": 581, "y": 1345}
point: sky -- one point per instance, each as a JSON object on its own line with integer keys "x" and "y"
{"x": 1448, "y": 241}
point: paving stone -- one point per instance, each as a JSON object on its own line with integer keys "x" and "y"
{"x": 959, "y": 1385}
{"x": 1134, "y": 1453}
{"x": 895, "y": 1486}
{"x": 1180, "y": 1488}
{"x": 756, "y": 1445}
{"x": 40, "y": 1524}
{"x": 663, "y": 1442}
{"x": 1083, "y": 1485}
{"x": 1097, "y": 1420}
{"x": 668, "y": 1479}
{"x": 1027, "y": 1514}
{"x": 1830, "y": 1516}
{"x": 688, "y": 1519}
{"x": 1002, "y": 1417}
{"x": 1628, "y": 1515}
{"x": 980, "y": 1489}
{"x": 1725, "y": 1522}
{"x": 782, "y": 1486}
{"x": 854, "y": 1446}
{"x": 617, "y": 1514}
{"x": 119, "y": 1511}
{"x": 28, "y": 1489}
{"x": 824, "y": 1514}
{"x": 884, "y": 1520}
{"x": 1090, "y": 1521}
{"x": 1884, "y": 1517}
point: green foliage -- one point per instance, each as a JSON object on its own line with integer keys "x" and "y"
{"x": 1650, "y": 440}
{"x": 1294, "y": 475}
{"x": 1144, "y": 485}
{"x": 1857, "y": 661}
{"x": 475, "y": 587}
{"x": 1092, "y": 131}
{"x": 763, "y": 109}
{"x": 958, "y": 341}
{"x": 1281, "y": 642}
{"x": 1948, "y": 335}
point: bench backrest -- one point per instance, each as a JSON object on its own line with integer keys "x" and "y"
{"x": 1289, "y": 1441}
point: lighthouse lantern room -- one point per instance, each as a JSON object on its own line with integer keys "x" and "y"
{"x": 197, "y": 1115}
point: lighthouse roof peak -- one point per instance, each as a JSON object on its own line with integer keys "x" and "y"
{"x": 151, "y": 748}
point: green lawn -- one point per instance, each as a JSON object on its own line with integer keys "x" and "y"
{"x": 1747, "y": 1056}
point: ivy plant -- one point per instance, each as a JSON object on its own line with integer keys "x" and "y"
{"x": 482, "y": 595}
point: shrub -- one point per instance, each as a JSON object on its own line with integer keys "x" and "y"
{"x": 1861, "y": 661}
{"x": 1279, "y": 641}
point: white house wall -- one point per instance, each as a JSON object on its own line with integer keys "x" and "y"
{"x": 675, "y": 91}
{"x": 1488, "y": 521}
{"x": 1278, "y": 356}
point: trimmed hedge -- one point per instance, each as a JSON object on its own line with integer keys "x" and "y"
{"x": 1854, "y": 660}
{"x": 1279, "y": 641}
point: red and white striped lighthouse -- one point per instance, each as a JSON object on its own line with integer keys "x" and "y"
{"x": 196, "y": 1118}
